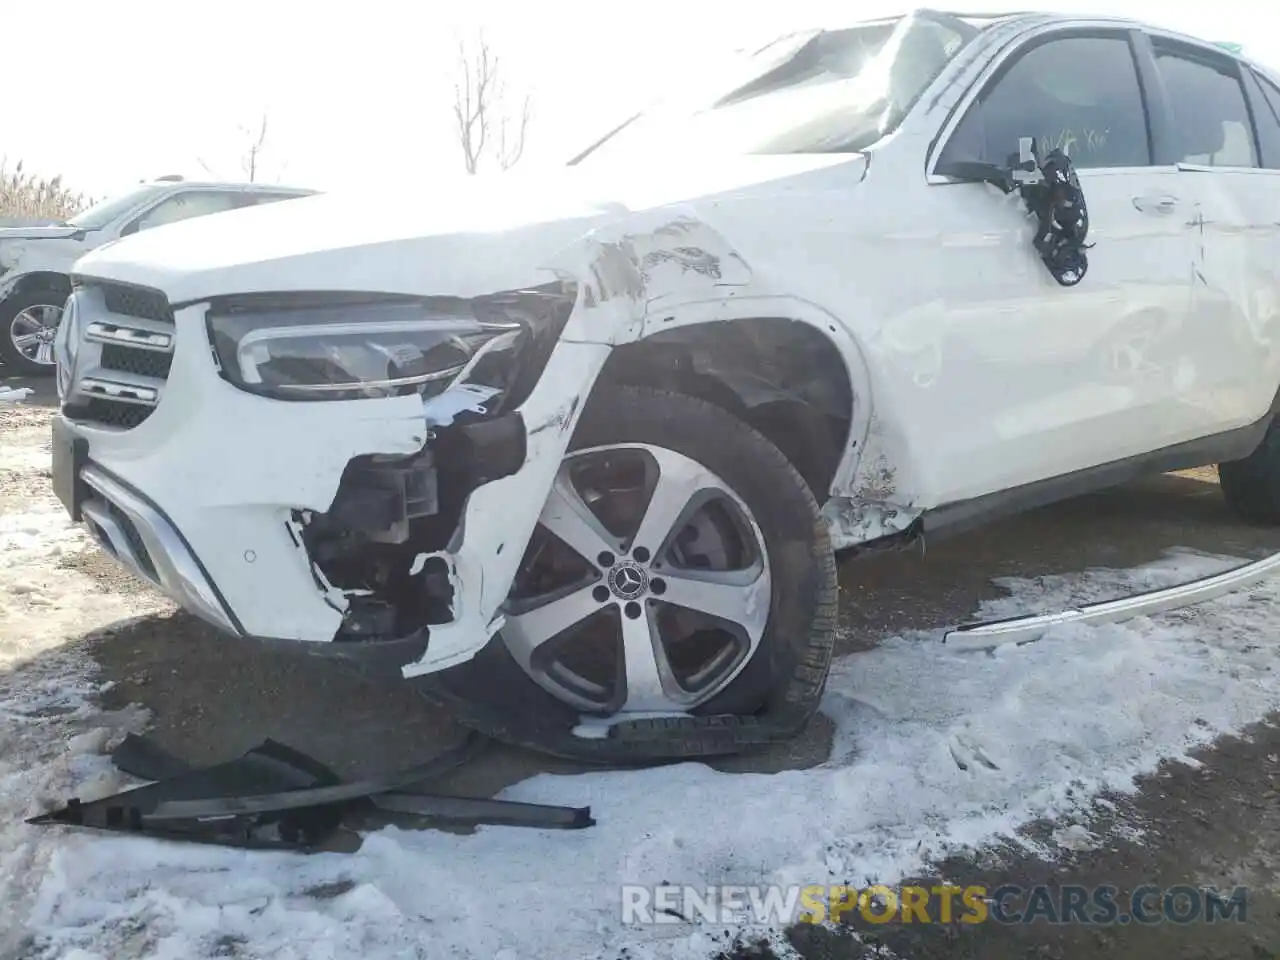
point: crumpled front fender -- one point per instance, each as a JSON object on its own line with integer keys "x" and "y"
{"x": 20, "y": 258}
{"x": 500, "y": 516}
{"x": 621, "y": 270}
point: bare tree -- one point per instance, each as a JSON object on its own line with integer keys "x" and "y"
{"x": 486, "y": 124}
{"x": 249, "y": 162}
{"x": 251, "y": 158}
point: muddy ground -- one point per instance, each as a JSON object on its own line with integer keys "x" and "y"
{"x": 1218, "y": 825}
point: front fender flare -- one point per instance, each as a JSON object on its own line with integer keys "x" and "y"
{"x": 670, "y": 314}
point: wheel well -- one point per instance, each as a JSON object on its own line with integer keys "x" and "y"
{"x": 784, "y": 378}
{"x": 59, "y": 283}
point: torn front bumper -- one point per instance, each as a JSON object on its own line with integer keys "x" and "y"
{"x": 201, "y": 496}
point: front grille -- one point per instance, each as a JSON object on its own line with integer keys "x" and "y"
{"x": 145, "y": 363}
{"x": 136, "y": 302}
{"x": 109, "y": 413}
{"x": 125, "y": 339}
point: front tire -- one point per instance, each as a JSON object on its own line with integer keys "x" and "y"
{"x": 28, "y": 322}
{"x": 680, "y": 567}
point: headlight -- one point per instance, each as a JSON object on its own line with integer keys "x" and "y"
{"x": 349, "y": 351}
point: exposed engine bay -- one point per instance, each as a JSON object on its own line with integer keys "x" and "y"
{"x": 374, "y": 546}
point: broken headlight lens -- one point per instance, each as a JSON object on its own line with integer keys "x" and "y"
{"x": 349, "y": 351}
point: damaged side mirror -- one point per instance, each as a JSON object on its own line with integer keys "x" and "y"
{"x": 1021, "y": 168}
{"x": 1051, "y": 191}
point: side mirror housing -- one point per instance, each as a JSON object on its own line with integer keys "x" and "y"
{"x": 976, "y": 171}
{"x": 1022, "y": 168}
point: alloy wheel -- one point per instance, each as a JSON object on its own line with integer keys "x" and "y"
{"x": 646, "y": 587}
{"x": 32, "y": 331}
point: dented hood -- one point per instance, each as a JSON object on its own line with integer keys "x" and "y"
{"x": 460, "y": 237}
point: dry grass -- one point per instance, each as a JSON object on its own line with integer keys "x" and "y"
{"x": 28, "y": 195}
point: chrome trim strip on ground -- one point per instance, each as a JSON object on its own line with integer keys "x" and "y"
{"x": 988, "y": 635}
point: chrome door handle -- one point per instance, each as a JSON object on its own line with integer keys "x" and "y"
{"x": 1165, "y": 203}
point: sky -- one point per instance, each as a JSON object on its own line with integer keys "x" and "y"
{"x": 363, "y": 91}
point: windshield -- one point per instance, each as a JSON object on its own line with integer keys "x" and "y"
{"x": 103, "y": 213}
{"x": 825, "y": 91}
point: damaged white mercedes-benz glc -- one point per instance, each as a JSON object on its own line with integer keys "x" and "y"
{"x": 574, "y": 452}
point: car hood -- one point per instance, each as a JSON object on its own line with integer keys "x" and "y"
{"x": 460, "y": 237}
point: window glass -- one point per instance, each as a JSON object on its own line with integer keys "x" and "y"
{"x": 1266, "y": 115}
{"x": 1211, "y": 119}
{"x": 257, "y": 198}
{"x": 827, "y": 91}
{"x": 101, "y": 214}
{"x": 1080, "y": 94}
{"x": 184, "y": 206}
{"x": 1272, "y": 94}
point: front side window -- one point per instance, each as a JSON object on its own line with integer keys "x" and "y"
{"x": 1077, "y": 93}
{"x": 184, "y": 206}
{"x": 1211, "y": 117}
{"x": 103, "y": 213}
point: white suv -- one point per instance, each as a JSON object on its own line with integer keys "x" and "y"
{"x": 576, "y": 450}
{"x": 35, "y": 261}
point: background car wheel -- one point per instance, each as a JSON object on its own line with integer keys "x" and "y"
{"x": 679, "y": 566}
{"x": 1251, "y": 486}
{"x": 28, "y": 322}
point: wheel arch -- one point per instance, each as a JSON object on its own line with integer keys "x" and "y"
{"x": 41, "y": 280}
{"x": 747, "y": 354}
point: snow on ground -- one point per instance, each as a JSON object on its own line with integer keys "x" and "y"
{"x": 1056, "y": 721}
{"x": 13, "y": 394}
{"x": 934, "y": 751}
{"x": 47, "y": 722}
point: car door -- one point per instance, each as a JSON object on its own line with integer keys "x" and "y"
{"x": 1228, "y": 352}
{"x": 1068, "y": 377}
{"x": 1264, "y": 101}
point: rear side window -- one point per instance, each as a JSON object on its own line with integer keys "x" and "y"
{"x": 1210, "y": 114}
{"x": 257, "y": 198}
{"x": 1266, "y": 114}
{"x": 1271, "y": 94}
{"x": 183, "y": 206}
{"x": 1077, "y": 93}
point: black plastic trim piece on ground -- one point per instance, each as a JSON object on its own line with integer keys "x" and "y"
{"x": 275, "y": 797}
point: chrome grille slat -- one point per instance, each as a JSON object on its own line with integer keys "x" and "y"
{"x": 129, "y": 335}
{"x": 123, "y": 391}
{"x": 123, "y": 354}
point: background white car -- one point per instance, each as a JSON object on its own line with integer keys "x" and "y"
{"x": 35, "y": 261}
